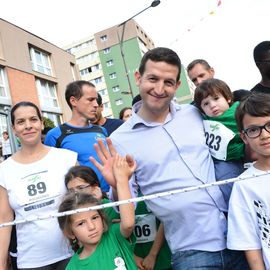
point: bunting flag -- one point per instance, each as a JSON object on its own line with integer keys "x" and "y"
{"x": 212, "y": 12}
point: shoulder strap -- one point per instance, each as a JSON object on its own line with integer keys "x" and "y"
{"x": 63, "y": 129}
{"x": 68, "y": 130}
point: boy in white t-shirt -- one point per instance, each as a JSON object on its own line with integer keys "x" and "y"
{"x": 249, "y": 207}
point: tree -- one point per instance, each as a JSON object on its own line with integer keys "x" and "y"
{"x": 48, "y": 123}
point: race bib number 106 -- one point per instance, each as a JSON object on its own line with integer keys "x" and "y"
{"x": 145, "y": 228}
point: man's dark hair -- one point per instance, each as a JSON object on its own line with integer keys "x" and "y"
{"x": 198, "y": 61}
{"x": 261, "y": 50}
{"x": 240, "y": 94}
{"x": 136, "y": 99}
{"x": 99, "y": 99}
{"x": 74, "y": 89}
{"x": 161, "y": 54}
{"x": 256, "y": 104}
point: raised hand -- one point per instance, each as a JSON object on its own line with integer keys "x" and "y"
{"x": 106, "y": 157}
{"x": 122, "y": 169}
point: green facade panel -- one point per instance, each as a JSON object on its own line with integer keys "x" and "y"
{"x": 132, "y": 54}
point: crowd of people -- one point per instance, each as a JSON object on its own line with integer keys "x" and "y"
{"x": 155, "y": 146}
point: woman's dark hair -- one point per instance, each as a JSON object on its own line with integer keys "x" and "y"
{"x": 85, "y": 173}
{"x": 72, "y": 201}
{"x": 122, "y": 112}
{"x": 24, "y": 104}
{"x": 212, "y": 87}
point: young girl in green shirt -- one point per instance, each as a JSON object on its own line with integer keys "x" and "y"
{"x": 101, "y": 246}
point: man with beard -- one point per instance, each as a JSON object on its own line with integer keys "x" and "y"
{"x": 261, "y": 56}
{"x": 78, "y": 134}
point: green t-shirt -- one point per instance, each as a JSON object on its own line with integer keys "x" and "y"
{"x": 143, "y": 230}
{"x": 113, "y": 252}
{"x": 110, "y": 212}
{"x": 235, "y": 149}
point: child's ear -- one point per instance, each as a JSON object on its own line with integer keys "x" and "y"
{"x": 69, "y": 234}
{"x": 243, "y": 137}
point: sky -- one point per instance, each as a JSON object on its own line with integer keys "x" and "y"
{"x": 224, "y": 35}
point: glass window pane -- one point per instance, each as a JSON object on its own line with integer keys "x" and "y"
{"x": 38, "y": 57}
{"x": 40, "y": 61}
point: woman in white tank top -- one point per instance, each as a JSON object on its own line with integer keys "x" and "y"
{"x": 31, "y": 185}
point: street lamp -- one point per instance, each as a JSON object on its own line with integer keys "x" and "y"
{"x": 121, "y": 41}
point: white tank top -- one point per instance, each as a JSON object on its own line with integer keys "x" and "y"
{"x": 34, "y": 190}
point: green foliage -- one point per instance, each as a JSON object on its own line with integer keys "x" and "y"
{"x": 48, "y": 123}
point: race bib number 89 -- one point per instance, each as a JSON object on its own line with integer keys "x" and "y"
{"x": 35, "y": 187}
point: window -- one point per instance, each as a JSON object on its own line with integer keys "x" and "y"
{"x": 119, "y": 102}
{"x": 96, "y": 67}
{"x": 56, "y": 118}
{"x": 112, "y": 75}
{"x": 72, "y": 66}
{"x": 103, "y": 92}
{"x": 103, "y": 38}
{"x": 47, "y": 94}
{"x": 90, "y": 69}
{"x": 97, "y": 80}
{"x": 3, "y": 86}
{"x": 109, "y": 63}
{"x": 106, "y": 50}
{"x": 3, "y": 122}
{"x": 106, "y": 105}
{"x": 91, "y": 42}
{"x": 116, "y": 88}
{"x": 85, "y": 71}
{"x": 87, "y": 58}
{"x": 86, "y": 44}
{"x": 40, "y": 61}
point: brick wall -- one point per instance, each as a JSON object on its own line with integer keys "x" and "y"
{"x": 22, "y": 86}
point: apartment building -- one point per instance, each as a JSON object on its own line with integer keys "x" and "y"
{"x": 109, "y": 59}
{"x": 120, "y": 50}
{"x": 33, "y": 69}
{"x": 90, "y": 68}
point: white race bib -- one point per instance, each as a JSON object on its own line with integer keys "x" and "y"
{"x": 218, "y": 136}
{"x": 145, "y": 228}
{"x": 36, "y": 187}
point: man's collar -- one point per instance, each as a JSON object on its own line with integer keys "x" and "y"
{"x": 136, "y": 120}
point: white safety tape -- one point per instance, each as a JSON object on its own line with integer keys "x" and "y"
{"x": 133, "y": 200}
